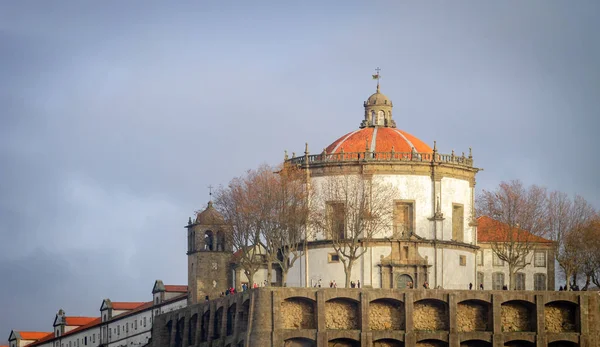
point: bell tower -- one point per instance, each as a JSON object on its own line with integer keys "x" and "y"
{"x": 378, "y": 109}
{"x": 209, "y": 255}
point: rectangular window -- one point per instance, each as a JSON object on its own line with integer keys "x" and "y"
{"x": 540, "y": 259}
{"x": 85, "y": 340}
{"x": 333, "y": 258}
{"x": 118, "y": 330}
{"x": 480, "y": 258}
{"x": 462, "y": 259}
{"x": 479, "y": 279}
{"x": 458, "y": 222}
{"x": 93, "y": 338}
{"x": 337, "y": 220}
{"x": 539, "y": 282}
{"x": 403, "y": 219}
{"x": 497, "y": 260}
{"x": 497, "y": 280}
{"x": 520, "y": 281}
{"x": 144, "y": 322}
{"x": 135, "y": 327}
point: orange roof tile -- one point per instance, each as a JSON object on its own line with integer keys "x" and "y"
{"x": 50, "y": 336}
{"x": 32, "y": 335}
{"x": 176, "y": 288}
{"x": 78, "y": 320}
{"x": 491, "y": 230}
{"x": 385, "y": 139}
{"x": 126, "y": 305}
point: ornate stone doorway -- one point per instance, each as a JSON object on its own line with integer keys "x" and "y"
{"x": 402, "y": 281}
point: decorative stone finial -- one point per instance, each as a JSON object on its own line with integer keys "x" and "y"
{"x": 435, "y": 146}
{"x": 285, "y": 156}
{"x": 306, "y": 148}
{"x": 470, "y": 153}
{"x": 189, "y": 220}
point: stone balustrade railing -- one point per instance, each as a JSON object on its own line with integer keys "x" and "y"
{"x": 358, "y": 157}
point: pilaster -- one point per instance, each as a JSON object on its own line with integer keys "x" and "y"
{"x": 540, "y": 319}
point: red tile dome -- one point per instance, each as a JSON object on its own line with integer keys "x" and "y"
{"x": 378, "y": 139}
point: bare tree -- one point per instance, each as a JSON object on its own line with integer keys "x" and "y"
{"x": 587, "y": 239}
{"x": 521, "y": 214}
{"x": 350, "y": 211}
{"x": 569, "y": 221}
{"x": 270, "y": 211}
{"x": 236, "y": 204}
{"x": 292, "y": 210}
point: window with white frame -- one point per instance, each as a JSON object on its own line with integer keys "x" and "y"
{"x": 480, "y": 258}
{"x": 519, "y": 281}
{"x": 539, "y": 259}
{"x": 539, "y": 282}
{"x": 497, "y": 261}
{"x": 497, "y": 280}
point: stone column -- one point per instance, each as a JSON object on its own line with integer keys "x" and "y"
{"x": 321, "y": 324}
{"x": 409, "y": 336}
{"x": 261, "y": 314}
{"x": 583, "y": 321}
{"x": 185, "y": 332}
{"x": 452, "y": 324}
{"x": 276, "y": 317}
{"x": 497, "y": 338}
{"x": 540, "y": 319}
{"x": 366, "y": 338}
{"x": 223, "y": 327}
{"x": 211, "y": 320}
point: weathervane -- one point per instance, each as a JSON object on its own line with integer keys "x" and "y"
{"x": 377, "y": 76}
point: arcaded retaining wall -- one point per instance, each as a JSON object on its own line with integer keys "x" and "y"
{"x": 307, "y": 317}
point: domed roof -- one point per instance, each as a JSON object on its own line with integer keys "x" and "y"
{"x": 378, "y": 99}
{"x": 210, "y": 216}
{"x": 378, "y": 139}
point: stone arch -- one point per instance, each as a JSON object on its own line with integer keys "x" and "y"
{"x": 220, "y": 241}
{"x": 342, "y": 314}
{"x": 298, "y": 313}
{"x": 343, "y": 342}
{"x": 192, "y": 330}
{"x": 473, "y": 315}
{"x": 430, "y": 314}
{"x": 169, "y": 327}
{"x": 432, "y": 343}
{"x": 386, "y": 314}
{"x": 231, "y": 311}
{"x": 299, "y": 342}
{"x": 561, "y": 316}
{"x": 218, "y": 323}
{"x": 519, "y": 343}
{"x": 402, "y": 281}
{"x": 204, "y": 326}
{"x": 243, "y": 316}
{"x": 518, "y": 315}
{"x": 209, "y": 240}
{"x": 179, "y": 332}
{"x": 388, "y": 343}
{"x": 563, "y": 343}
{"x": 475, "y": 343}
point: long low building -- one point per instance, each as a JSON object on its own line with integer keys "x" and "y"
{"x": 119, "y": 324}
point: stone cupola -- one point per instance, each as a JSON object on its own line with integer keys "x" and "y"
{"x": 378, "y": 111}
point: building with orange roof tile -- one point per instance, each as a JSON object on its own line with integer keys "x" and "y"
{"x": 120, "y": 323}
{"x": 538, "y": 272}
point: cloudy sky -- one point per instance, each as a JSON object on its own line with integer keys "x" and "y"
{"x": 116, "y": 116}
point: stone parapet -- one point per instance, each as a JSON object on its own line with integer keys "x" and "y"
{"x": 384, "y": 317}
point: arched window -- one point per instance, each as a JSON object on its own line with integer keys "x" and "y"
{"x": 208, "y": 241}
{"x": 380, "y": 117}
{"x": 373, "y": 120}
{"x": 220, "y": 241}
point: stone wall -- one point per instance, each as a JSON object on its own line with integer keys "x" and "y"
{"x": 307, "y": 317}
{"x": 472, "y": 316}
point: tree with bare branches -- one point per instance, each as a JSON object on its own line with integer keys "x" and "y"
{"x": 570, "y": 223}
{"x": 271, "y": 209}
{"x": 350, "y": 211}
{"x": 521, "y": 214}
{"x": 236, "y": 204}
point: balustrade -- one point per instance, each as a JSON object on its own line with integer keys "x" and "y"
{"x": 343, "y": 157}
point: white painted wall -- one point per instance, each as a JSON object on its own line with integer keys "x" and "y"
{"x": 530, "y": 270}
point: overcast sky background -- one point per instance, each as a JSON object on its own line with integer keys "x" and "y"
{"x": 116, "y": 116}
